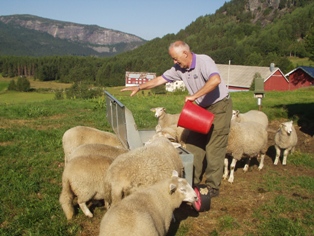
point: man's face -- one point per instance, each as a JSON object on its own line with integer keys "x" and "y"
{"x": 180, "y": 58}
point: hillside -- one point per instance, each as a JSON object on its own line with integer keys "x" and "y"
{"x": 36, "y": 36}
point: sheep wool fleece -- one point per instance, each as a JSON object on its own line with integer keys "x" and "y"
{"x": 212, "y": 145}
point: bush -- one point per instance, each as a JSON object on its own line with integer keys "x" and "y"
{"x": 12, "y": 85}
{"x": 23, "y": 84}
{"x": 82, "y": 90}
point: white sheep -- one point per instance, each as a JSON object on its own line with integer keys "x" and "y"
{"x": 285, "y": 139}
{"x": 148, "y": 211}
{"x": 246, "y": 139}
{"x": 96, "y": 149}
{"x": 252, "y": 115}
{"x": 165, "y": 119}
{"x": 83, "y": 177}
{"x": 79, "y": 135}
{"x": 140, "y": 167}
{"x": 168, "y": 126}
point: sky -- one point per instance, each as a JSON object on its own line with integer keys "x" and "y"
{"x": 147, "y": 19}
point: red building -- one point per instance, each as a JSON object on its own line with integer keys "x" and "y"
{"x": 301, "y": 77}
{"x": 136, "y": 78}
{"x": 276, "y": 82}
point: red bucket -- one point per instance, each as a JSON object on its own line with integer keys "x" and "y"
{"x": 195, "y": 118}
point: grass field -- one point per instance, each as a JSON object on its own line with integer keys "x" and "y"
{"x": 271, "y": 202}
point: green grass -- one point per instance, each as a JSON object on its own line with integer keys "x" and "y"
{"x": 31, "y": 158}
{"x": 296, "y": 61}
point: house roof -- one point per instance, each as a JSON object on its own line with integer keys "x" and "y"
{"x": 242, "y": 76}
{"x": 307, "y": 69}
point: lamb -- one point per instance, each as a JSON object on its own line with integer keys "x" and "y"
{"x": 96, "y": 149}
{"x": 165, "y": 119}
{"x": 245, "y": 139}
{"x": 285, "y": 139}
{"x": 149, "y": 210}
{"x": 141, "y": 167}
{"x": 79, "y": 135}
{"x": 252, "y": 115}
{"x": 83, "y": 177}
{"x": 168, "y": 126}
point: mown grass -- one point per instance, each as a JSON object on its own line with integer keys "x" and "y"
{"x": 31, "y": 158}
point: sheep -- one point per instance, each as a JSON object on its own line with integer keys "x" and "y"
{"x": 140, "y": 167}
{"x": 245, "y": 139}
{"x": 96, "y": 149}
{"x": 168, "y": 126}
{"x": 165, "y": 119}
{"x": 252, "y": 115}
{"x": 285, "y": 139}
{"x": 79, "y": 135}
{"x": 148, "y": 211}
{"x": 83, "y": 177}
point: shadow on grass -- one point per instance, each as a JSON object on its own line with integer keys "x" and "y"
{"x": 305, "y": 114}
{"x": 181, "y": 213}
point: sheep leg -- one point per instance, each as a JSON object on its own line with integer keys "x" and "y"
{"x": 225, "y": 176}
{"x": 232, "y": 167}
{"x": 261, "y": 163}
{"x": 247, "y": 164}
{"x": 285, "y": 155}
{"x": 85, "y": 209}
{"x": 277, "y": 155}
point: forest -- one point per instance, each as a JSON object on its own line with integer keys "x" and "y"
{"x": 232, "y": 33}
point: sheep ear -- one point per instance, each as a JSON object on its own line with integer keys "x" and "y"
{"x": 172, "y": 188}
{"x": 153, "y": 109}
{"x": 164, "y": 109}
{"x": 237, "y": 112}
{"x": 175, "y": 173}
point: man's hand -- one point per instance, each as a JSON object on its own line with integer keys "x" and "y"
{"x": 134, "y": 90}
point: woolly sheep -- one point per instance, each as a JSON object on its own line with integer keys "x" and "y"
{"x": 79, "y": 135}
{"x": 245, "y": 139}
{"x": 148, "y": 211}
{"x": 168, "y": 126}
{"x": 285, "y": 139}
{"x": 83, "y": 177}
{"x": 140, "y": 167}
{"x": 165, "y": 119}
{"x": 252, "y": 115}
{"x": 97, "y": 149}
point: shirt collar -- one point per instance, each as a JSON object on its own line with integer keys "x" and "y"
{"x": 193, "y": 62}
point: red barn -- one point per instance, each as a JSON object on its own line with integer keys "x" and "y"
{"x": 136, "y": 78}
{"x": 301, "y": 77}
{"x": 240, "y": 78}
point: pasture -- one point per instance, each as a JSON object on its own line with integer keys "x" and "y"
{"x": 275, "y": 201}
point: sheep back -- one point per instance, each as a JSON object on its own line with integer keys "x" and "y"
{"x": 79, "y": 135}
{"x": 142, "y": 166}
{"x": 96, "y": 149}
{"x": 252, "y": 115}
{"x": 246, "y": 138}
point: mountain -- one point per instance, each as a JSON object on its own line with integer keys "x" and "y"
{"x": 36, "y": 36}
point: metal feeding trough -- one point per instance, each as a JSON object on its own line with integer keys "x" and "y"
{"x": 124, "y": 126}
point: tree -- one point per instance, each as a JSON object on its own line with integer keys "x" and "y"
{"x": 309, "y": 43}
{"x": 23, "y": 85}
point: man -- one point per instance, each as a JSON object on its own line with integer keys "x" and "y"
{"x": 202, "y": 80}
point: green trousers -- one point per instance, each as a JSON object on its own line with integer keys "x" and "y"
{"x": 212, "y": 145}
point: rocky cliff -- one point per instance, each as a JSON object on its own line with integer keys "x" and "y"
{"x": 98, "y": 38}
